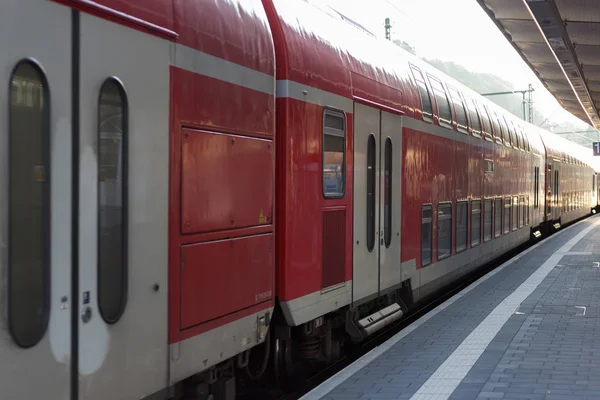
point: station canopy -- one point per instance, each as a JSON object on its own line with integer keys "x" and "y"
{"x": 560, "y": 41}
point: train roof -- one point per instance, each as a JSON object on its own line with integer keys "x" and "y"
{"x": 330, "y": 54}
{"x": 234, "y": 30}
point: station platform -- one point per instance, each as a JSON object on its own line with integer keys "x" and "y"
{"x": 530, "y": 329}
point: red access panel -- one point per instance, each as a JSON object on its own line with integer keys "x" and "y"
{"x": 226, "y": 181}
{"x": 225, "y": 276}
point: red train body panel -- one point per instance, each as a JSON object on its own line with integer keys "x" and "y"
{"x": 222, "y": 164}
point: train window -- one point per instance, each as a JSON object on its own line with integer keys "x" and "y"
{"x": 515, "y": 212}
{"x": 487, "y": 220}
{"x": 497, "y": 217}
{"x": 593, "y": 183}
{"x": 444, "y": 222}
{"x": 459, "y": 110}
{"x": 511, "y": 134}
{"x": 536, "y": 186}
{"x": 28, "y": 205}
{"x": 426, "y": 234}
{"x": 526, "y": 139}
{"x": 462, "y": 210}
{"x": 518, "y": 137}
{"x": 505, "y": 131}
{"x": 556, "y": 186}
{"x": 506, "y": 214}
{"x": 334, "y": 153}
{"x": 475, "y": 120}
{"x": 426, "y": 105}
{"x": 387, "y": 221}
{"x": 527, "y": 210}
{"x": 475, "y": 222}
{"x": 496, "y": 125}
{"x": 522, "y": 213}
{"x": 112, "y": 200}
{"x": 443, "y": 105}
{"x": 487, "y": 129}
{"x": 371, "y": 192}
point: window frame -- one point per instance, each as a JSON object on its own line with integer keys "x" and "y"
{"x": 447, "y": 123}
{"x": 461, "y": 128}
{"x": 124, "y": 199}
{"x": 446, "y": 217}
{"x": 507, "y": 209}
{"x": 478, "y": 242}
{"x": 460, "y": 203}
{"x": 334, "y": 112}
{"x": 388, "y": 192}
{"x": 474, "y": 132}
{"x": 371, "y": 225}
{"x": 515, "y": 217}
{"x": 430, "y": 207}
{"x": 485, "y": 210}
{"x": 486, "y": 132}
{"x": 426, "y": 115}
{"x": 498, "y": 232}
{"x": 45, "y": 243}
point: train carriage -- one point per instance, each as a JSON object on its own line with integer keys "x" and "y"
{"x": 116, "y": 257}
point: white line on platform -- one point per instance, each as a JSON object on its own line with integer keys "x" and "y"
{"x": 334, "y": 381}
{"x": 448, "y": 376}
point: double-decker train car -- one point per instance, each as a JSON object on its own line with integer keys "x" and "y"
{"x": 197, "y": 191}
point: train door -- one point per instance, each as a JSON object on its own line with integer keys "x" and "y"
{"x": 377, "y": 174}
{"x": 124, "y": 114}
{"x": 35, "y": 182}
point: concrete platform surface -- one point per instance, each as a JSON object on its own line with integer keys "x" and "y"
{"x": 530, "y": 329}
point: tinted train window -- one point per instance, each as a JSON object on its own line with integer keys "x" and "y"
{"x": 506, "y": 214}
{"x": 112, "y": 200}
{"x": 444, "y": 112}
{"x": 475, "y": 222}
{"x": 462, "y": 212}
{"x": 475, "y": 121}
{"x": 511, "y": 134}
{"x": 334, "y": 153}
{"x": 459, "y": 110}
{"x": 487, "y": 129}
{"x": 387, "y": 221}
{"x": 426, "y": 106}
{"x": 515, "y": 212}
{"x": 504, "y": 128}
{"x": 497, "y": 217}
{"x": 487, "y": 220}
{"x": 29, "y": 205}
{"x": 535, "y": 186}
{"x": 426, "y": 227}
{"x": 522, "y": 212}
{"x": 499, "y": 133}
{"x": 371, "y": 155}
{"x": 444, "y": 222}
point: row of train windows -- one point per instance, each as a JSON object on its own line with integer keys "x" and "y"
{"x": 576, "y": 200}
{"x": 29, "y": 241}
{"x": 483, "y": 121}
{"x": 490, "y": 214}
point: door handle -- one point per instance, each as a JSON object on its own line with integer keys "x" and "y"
{"x": 86, "y": 314}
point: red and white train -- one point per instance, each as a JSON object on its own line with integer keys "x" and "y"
{"x": 183, "y": 180}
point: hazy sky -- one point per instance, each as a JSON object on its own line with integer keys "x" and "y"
{"x": 453, "y": 30}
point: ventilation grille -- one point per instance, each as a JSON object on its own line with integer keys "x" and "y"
{"x": 334, "y": 251}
